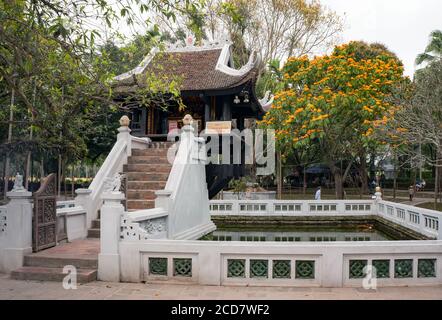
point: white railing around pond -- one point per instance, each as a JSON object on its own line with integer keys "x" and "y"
{"x": 291, "y": 207}
{"x": 424, "y": 221}
{"x": 332, "y": 264}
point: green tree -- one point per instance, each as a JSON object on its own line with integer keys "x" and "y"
{"x": 433, "y": 51}
{"x": 336, "y": 101}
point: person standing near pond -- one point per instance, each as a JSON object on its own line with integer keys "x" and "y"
{"x": 411, "y": 192}
{"x": 318, "y": 194}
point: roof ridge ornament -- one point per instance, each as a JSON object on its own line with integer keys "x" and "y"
{"x": 190, "y": 45}
{"x": 267, "y": 101}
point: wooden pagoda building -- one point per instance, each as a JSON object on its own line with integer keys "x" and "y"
{"x": 211, "y": 88}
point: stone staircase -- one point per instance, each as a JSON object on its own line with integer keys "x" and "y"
{"x": 47, "y": 265}
{"x": 94, "y": 230}
{"x": 146, "y": 171}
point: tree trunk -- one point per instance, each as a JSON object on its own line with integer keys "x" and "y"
{"x": 279, "y": 175}
{"x": 304, "y": 184}
{"x": 28, "y": 157}
{"x": 437, "y": 178}
{"x": 42, "y": 168}
{"x": 364, "y": 175}
{"x": 65, "y": 173}
{"x": 72, "y": 182}
{"x": 337, "y": 174}
{"x": 8, "y": 160}
{"x": 59, "y": 176}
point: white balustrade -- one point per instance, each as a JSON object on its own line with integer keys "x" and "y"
{"x": 331, "y": 264}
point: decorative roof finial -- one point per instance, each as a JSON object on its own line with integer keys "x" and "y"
{"x": 124, "y": 121}
{"x": 187, "y": 120}
{"x": 190, "y": 41}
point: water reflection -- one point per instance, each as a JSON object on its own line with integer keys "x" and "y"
{"x": 297, "y": 234}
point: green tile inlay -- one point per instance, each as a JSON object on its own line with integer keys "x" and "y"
{"x": 426, "y": 268}
{"x": 403, "y": 268}
{"x": 259, "y": 268}
{"x": 236, "y": 268}
{"x": 382, "y": 268}
{"x": 158, "y": 266}
{"x": 182, "y": 267}
{"x": 281, "y": 269}
{"x": 356, "y": 268}
{"x": 305, "y": 269}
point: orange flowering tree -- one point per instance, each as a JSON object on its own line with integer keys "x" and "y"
{"x": 336, "y": 101}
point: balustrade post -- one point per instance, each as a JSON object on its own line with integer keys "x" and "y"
{"x": 163, "y": 201}
{"x": 439, "y": 237}
{"x": 83, "y": 200}
{"x": 332, "y": 268}
{"x": 109, "y": 257}
{"x": 18, "y": 229}
{"x": 124, "y": 134}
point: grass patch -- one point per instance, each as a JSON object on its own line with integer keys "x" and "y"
{"x": 430, "y": 205}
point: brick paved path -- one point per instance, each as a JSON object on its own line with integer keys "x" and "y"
{"x": 97, "y": 290}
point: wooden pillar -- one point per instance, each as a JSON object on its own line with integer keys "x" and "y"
{"x": 150, "y": 121}
{"x": 227, "y": 112}
{"x": 143, "y": 121}
{"x": 206, "y": 110}
{"x": 212, "y": 108}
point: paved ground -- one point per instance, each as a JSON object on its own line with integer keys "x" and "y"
{"x": 34, "y": 290}
{"x": 78, "y": 249}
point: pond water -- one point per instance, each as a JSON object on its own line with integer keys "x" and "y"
{"x": 363, "y": 232}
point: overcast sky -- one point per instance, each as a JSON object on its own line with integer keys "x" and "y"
{"x": 402, "y": 25}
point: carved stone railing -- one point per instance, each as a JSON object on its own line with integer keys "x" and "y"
{"x": 424, "y": 221}
{"x": 291, "y": 207}
{"x": 187, "y": 202}
{"x": 91, "y": 199}
{"x": 144, "y": 224}
{"x": 302, "y": 264}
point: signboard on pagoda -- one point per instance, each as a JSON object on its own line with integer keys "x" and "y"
{"x": 218, "y": 127}
{"x": 173, "y": 125}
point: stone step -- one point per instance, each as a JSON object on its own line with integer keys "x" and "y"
{"x": 52, "y": 274}
{"x": 141, "y": 194}
{"x": 96, "y": 224}
{"x": 140, "y": 204}
{"x": 150, "y": 152}
{"x": 142, "y": 167}
{"x": 147, "y": 176}
{"x": 146, "y": 185}
{"x": 59, "y": 262}
{"x": 93, "y": 233}
{"x": 154, "y": 160}
{"x": 161, "y": 144}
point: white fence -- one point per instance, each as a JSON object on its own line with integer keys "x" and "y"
{"x": 291, "y": 208}
{"x": 282, "y": 264}
{"x": 71, "y": 220}
{"x": 424, "y": 221}
{"x": 304, "y": 264}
